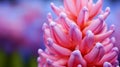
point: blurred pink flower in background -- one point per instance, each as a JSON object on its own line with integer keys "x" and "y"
{"x": 21, "y": 24}
{"x": 79, "y": 37}
{"x": 21, "y": 31}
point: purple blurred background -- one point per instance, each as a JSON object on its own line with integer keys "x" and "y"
{"x": 21, "y": 29}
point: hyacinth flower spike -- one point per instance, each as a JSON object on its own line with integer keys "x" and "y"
{"x": 78, "y": 37}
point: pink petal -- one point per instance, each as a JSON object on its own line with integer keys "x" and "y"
{"x": 82, "y": 17}
{"x": 90, "y": 5}
{"x": 48, "y": 63}
{"x": 62, "y": 20}
{"x": 47, "y": 33}
{"x": 45, "y": 55}
{"x": 95, "y": 24}
{"x": 102, "y": 36}
{"x": 59, "y": 35}
{"x": 108, "y": 47}
{"x": 58, "y": 49}
{"x": 49, "y": 17}
{"x": 77, "y": 35}
{"x": 60, "y": 62}
{"x": 55, "y": 9}
{"x": 87, "y": 43}
{"x": 106, "y": 13}
{"x": 96, "y": 8}
{"x": 111, "y": 56}
{"x": 71, "y": 6}
{"x": 78, "y": 6}
{"x": 106, "y": 41}
{"x": 76, "y": 59}
{"x": 84, "y": 3}
{"x": 95, "y": 54}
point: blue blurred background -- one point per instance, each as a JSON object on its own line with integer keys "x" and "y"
{"x": 21, "y": 29}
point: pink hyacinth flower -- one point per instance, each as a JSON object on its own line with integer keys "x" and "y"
{"x": 78, "y": 37}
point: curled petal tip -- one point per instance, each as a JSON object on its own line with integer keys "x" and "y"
{"x": 79, "y": 65}
{"x": 90, "y": 36}
{"x": 55, "y": 9}
{"x": 73, "y": 25}
{"x": 39, "y": 51}
{"x": 44, "y": 26}
{"x": 76, "y": 57}
{"x": 107, "y": 64}
{"x": 49, "y": 62}
{"x": 101, "y": 18}
{"x": 52, "y": 4}
{"x": 99, "y": 45}
{"x": 112, "y": 27}
{"x": 113, "y": 40}
{"x": 115, "y": 49}
{"x": 38, "y": 59}
{"x": 107, "y": 9}
{"x": 62, "y": 14}
{"x": 50, "y": 41}
{"x": 76, "y": 52}
{"x": 89, "y": 33}
{"x": 49, "y": 16}
{"x": 52, "y": 23}
{"x": 85, "y": 9}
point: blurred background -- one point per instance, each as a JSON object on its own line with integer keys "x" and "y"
{"x": 21, "y": 32}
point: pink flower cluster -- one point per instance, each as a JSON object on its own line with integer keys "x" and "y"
{"x": 78, "y": 37}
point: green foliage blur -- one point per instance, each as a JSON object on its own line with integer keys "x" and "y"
{"x": 15, "y": 60}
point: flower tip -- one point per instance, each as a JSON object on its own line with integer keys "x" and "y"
{"x": 107, "y": 9}
{"x": 113, "y": 40}
{"x": 49, "y": 62}
{"x": 52, "y": 23}
{"x": 40, "y": 51}
{"x": 50, "y": 41}
{"x": 89, "y": 33}
{"x": 79, "y": 65}
{"x": 85, "y": 8}
{"x": 44, "y": 26}
{"x": 76, "y": 52}
{"x": 101, "y": 17}
{"x": 107, "y": 64}
{"x": 52, "y": 4}
{"x": 99, "y": 45}
{"x": 38, "y": 59}
{"x": 115, "y": 49}
{"x": 62, "y": 14}
{"x": 73, "y": 25}
{"x": 49, "y": 16}
{"x": 112, "y": 27}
